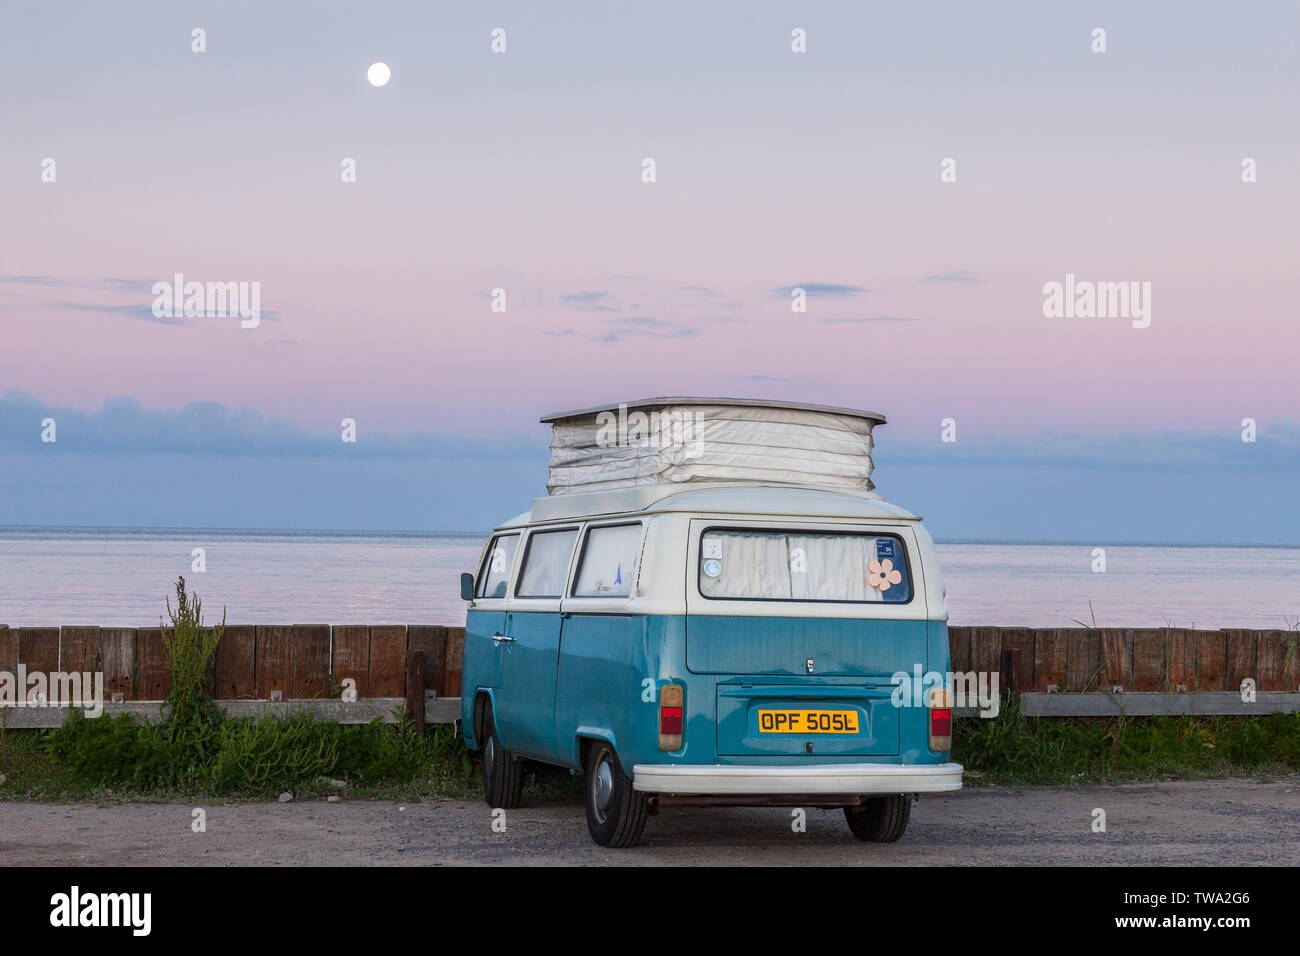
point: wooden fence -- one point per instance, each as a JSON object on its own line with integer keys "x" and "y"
{"x": 1159, "y": 670}
{"x": 1161, "y": 660}
{"x": 253, "y": 662}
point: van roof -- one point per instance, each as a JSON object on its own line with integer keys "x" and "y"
{"x": 876, "y": 417}
{"x": 716, "y": 498}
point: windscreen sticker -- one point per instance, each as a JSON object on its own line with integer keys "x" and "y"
{"x": 884, "y": 548}
{"x": 713, "y": 567}
{"x": 712, "y": 548}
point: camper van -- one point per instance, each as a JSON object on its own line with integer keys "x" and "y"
{"x": 711, "y": 607}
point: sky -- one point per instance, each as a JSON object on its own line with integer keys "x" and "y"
{"x": 524, "y": 171}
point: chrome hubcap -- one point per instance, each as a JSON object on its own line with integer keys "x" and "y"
{"x": 602, "y": 789}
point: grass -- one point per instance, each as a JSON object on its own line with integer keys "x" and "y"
{"x": 1012, "y": 749}
{"x": 119, "y": 759}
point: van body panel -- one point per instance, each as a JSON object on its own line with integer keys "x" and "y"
{"x": 718, "y": 644}
{"x": 740, "y": 706}
{"x": 610, "y": 670}
{"x": 525, "y": 703}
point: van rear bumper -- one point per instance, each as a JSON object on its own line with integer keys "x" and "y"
{"x": 860, "y": 778}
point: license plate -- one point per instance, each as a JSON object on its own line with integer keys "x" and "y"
{"x": 808, "y": 721}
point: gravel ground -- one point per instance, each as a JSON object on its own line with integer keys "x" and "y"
{"x": 1218, "y": 822}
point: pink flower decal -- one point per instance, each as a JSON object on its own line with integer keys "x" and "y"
{"x": 881, "y": 574}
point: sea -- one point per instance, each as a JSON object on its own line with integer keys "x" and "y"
{"x": 121, "y": 577}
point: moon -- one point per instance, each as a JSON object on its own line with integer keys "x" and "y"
{"x": 378, "y": 74}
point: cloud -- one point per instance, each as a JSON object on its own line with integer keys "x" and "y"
{"x": 643, "y": 326}
{"x": 871, "y": 318}
{"x": 34, "y": 280}
{"x": 562, "y": 333}
{"x": 761, "y": 378}
{"x": 592, "y": 301}
{"x": 123, "y": 426}
{"x": 824, "y": 289}
{"x": 146, "y": 312}
{"x": 952, "y": 277}
{"x": 130, "y": 311}
{"x": 1277, "y": 449}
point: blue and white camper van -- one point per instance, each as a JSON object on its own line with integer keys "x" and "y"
{"x": 703, "y": 630}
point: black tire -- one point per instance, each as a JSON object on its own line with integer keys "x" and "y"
{"x": 616, "y": 813}
{"x": 503, "y": 772}
{"x": 880, "y": 819}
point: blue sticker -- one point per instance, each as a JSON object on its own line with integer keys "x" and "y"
{"x": 884, "y": 548}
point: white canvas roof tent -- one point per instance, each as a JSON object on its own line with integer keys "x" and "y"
{"x": 682, "y": 441}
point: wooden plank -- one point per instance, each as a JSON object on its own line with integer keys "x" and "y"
{"x": 1211, "y": 660}
{"x": 1270, "y": 657}
{"x": 79, "y": 649}
{"x": 1082, "y": 660}
{"x": 350, "y": 656}
{"x": 1049, "y": 658}
{"x": 1116, "y": 657}
{"x": 1021, "y": 639}
{"x": 152, "y": 674}
{"x": 310, "y": 644}
{"x": 1149, "y": 650}
{"x": 1181, "y": 659}
{"x": 388, "y": 660}
{"x": 985, "y": 650}
{"x": 235, "y": 669}
{"x": 8, "y": 650}
{"x": 415, "y": 688}
{"x": 455, "y": 653}
{"x": 38, "y": 649}
{"x": 444, "y": 710}
{"x": 432, "y": 639}
{"x": 117, "y": 657}
{"x": 274, "y": 660}
{"x": 1291, "y": 669}
{"x": 1242, "y": 648}
{"x": 1152, "y": 704}
{"x": 959, "y": 648}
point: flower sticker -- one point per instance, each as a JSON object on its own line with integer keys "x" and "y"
{"x": 881, "y": 574}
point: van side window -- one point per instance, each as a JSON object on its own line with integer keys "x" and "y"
{"x": 496, "y": 567}
{"x": 608, "y": 561}
{"x": 803, "y": 566}
{"x": 546, "y": 563}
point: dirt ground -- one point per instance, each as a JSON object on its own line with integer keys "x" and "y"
{"x": 1220, "y": 822}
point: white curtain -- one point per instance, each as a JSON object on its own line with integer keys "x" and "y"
{"x": 802, "y": 567}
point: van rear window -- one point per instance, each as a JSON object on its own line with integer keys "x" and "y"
{"x": 762, "y": 565}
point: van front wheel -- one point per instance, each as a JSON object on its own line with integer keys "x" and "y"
{"x": 880, "y": 819}
{"x": 616, "y": 813}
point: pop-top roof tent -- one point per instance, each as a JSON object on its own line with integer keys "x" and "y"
{"x": 685, "y": 441}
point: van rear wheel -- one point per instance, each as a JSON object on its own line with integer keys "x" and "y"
{"x": 880, "y": 819}
{"x": 616, "y": 813}
{"x": 503, "y": 774}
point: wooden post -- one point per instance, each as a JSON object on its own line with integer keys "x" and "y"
{"x": 415, "y": 688}
{"x": 1007, "y": 676}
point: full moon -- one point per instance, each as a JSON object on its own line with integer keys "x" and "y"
{"x": 378, "y": 74}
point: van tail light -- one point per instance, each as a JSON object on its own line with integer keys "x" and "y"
{"x": 940, "y": 704}
{"x": 672, "y": 698}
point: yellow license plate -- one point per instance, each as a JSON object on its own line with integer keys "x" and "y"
{"x": 808, "y": 721}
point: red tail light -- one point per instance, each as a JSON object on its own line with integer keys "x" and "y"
{"x": 940, "y": 719}
{"x": 672, "y": 705}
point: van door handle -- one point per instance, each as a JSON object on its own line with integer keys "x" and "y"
{"x": 501, "y": 638}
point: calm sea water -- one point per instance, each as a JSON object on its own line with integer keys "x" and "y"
{"x": 54, "y": 576}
